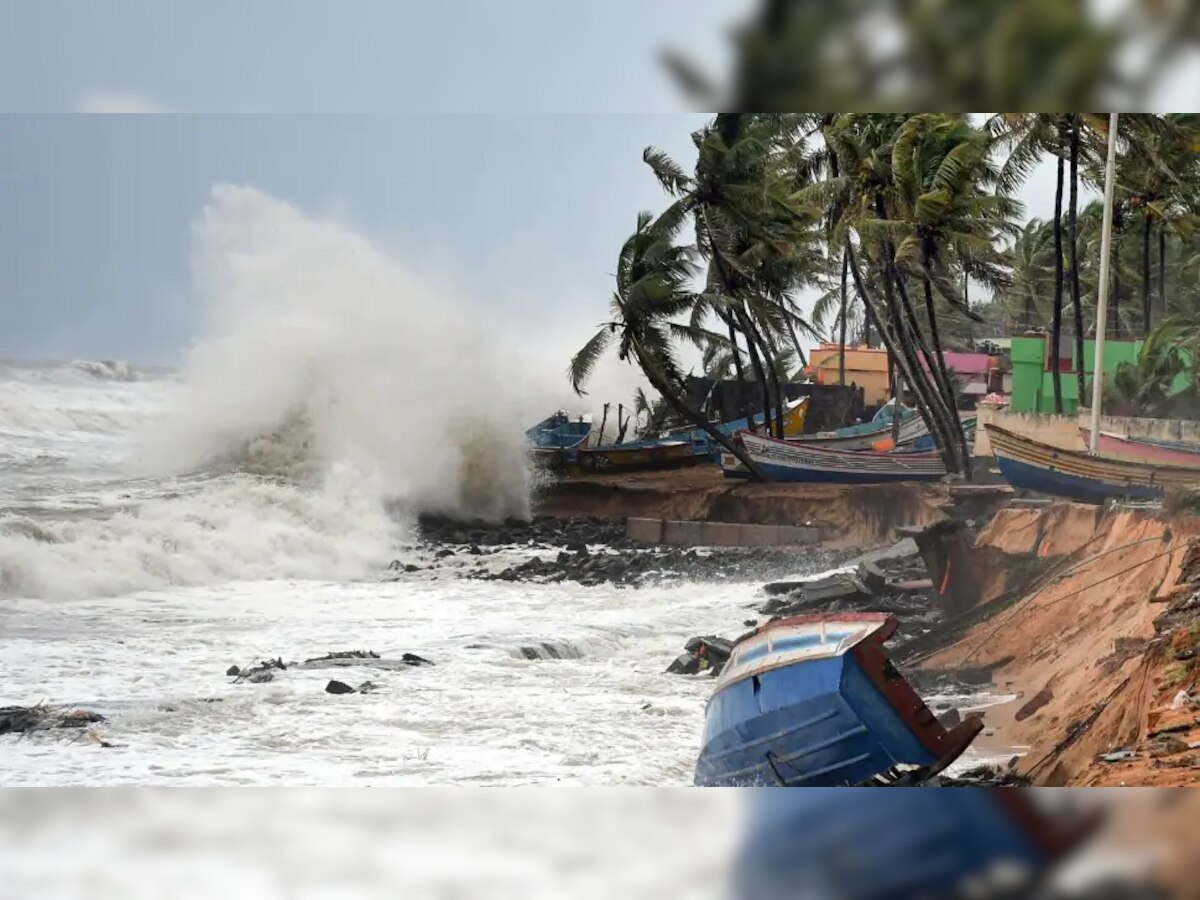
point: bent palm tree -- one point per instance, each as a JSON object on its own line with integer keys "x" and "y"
{"x": 652, "y": 292}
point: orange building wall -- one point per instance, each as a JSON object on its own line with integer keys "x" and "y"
{"x": 865, "y": 367}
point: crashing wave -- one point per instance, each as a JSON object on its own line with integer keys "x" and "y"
{"x": 108, "y": 370}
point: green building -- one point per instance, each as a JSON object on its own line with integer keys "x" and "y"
{"x": 1033, "y": 371}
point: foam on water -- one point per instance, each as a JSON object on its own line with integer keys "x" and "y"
{"x": 330, "y": 393}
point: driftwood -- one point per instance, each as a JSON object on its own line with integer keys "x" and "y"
{"x": 25, "y": 719}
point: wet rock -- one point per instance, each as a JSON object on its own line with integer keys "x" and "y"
{"x": 701, "y": 654}
{"x": 750, "y": 623}
{"x": 261, "y": 673}
{"x": 367, "y": 687}
{"x": 550, "y": 650}
{"x": 233, "y": 672}
{"x": 22, "y": 719}
{"x": 443, "y": 553}
{"x": 950, "y": 718}
{"x": 338, "y": 687}
{"x": 344, "y": 654}
{"x": 412, "y": 659}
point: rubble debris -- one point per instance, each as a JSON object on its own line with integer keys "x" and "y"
{"x": 343, "y": 654}
{"x": 23, "y": 719}
{"x": 1119, "y": 755}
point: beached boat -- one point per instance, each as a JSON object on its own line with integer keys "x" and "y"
{"x": 873, "y": 435}
{"x": 554, "y": 438}
{"x": 800, "y": 462}
{"x": 925, "y": 442}
{"x": 1074, "y": 474}
{"x": 794, "y": 415}
{"x": 635, "y": 457}
{"x": 1163, "y": 453}
{"x": 902, "y": 844}
{"x": 814, "y": 701}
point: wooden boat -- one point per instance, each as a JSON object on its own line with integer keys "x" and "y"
{"x": 1163, "y": 453}
{"x": 799, "y": 462}
{"x": 555, "y": 437}
{"x": 873, "y": 435}
{"x": 794, "y": 415}
{"x": 901, "y": 844}
{"x": 634, "y": 457}
{"x": 1034, "y": 466}
{"x": 814, "y": 701}
{"x": 925, "y": 443}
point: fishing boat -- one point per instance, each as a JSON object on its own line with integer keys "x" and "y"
{"x": 814, "y": 701}
{"x": 1077, "y": 475}
{"x": 635, "y": 456}
{"x": 800, "y": 462}
{"x": 794, "y": 415}
{"x": 902, "y": 844}
{"x": 554, "y": 438}
{"x": 873, "y": 435}
{"x": 1163, "y": 453}
{"x": 925, "y": 442}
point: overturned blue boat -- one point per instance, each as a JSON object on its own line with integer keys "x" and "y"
{"x": 814, "y": 701}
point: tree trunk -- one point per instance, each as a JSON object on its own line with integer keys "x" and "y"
{"x": 1147, "y": 224}
{"x": 901, "y": 351}
{"x": 622, "y": 423}
{"x": 603, "y": 421}
{"x": 1162, "y": 269}
{"x": 677, "y": 402}
{"x": 1056, "y": 324}
{"x": 897, "y": 399}
{"x": 773, "y": 374}
{"x": 1073, "y": 243}
{"x": 906, "y": 319}
{"x": 943, "y": 373}
{"x": 743, "y": 405}
{"x": 757, "y": 365}
{"x": 1118, "y": 223}
{"x": 842, "y": 335}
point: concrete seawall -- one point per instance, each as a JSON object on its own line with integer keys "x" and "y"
{"x": 719, "y": 534}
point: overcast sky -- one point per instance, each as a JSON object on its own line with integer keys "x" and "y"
{"x": 521, "y": 211}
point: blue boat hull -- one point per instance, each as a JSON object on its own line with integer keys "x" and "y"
{"x": 891, "y": 844}
{"x": 1074, "y": 487}
{"x": 822, "y": 723}
{"x": 809, "y": 476}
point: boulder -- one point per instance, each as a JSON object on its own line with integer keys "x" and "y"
{"x": 338, "y": 687}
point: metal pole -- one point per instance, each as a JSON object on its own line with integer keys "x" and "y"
{"x": 1102, "y": 307}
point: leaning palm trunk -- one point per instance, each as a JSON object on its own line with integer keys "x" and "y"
{"x": 947, "y": 384}
{"x": 1162, "y": 269}
{"x": 675, "y": 399}
{"x": 736, "y": 353}
{"x": 1147, "y": 225}
{"x": 773, "y": 373}
{"x": 756, "y": 364}
{"x": 1073, "y": 237}
{"x": 914, "y": 343}
{"x": 900, "y": 350}
{"x": 1056, "y": 323}
{"x": 842, "y": 335}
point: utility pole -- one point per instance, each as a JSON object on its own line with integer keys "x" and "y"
{"x": 1102, "y": 306}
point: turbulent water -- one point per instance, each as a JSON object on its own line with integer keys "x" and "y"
{"x": 158, "y": 526}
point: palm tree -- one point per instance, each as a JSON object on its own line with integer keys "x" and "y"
{"x": 759, "y": 246}
{"x": 653, "y": 290}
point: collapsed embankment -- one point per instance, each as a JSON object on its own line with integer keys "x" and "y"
{"x": 1087, "y": 616}
{"x": 847, "y": 515}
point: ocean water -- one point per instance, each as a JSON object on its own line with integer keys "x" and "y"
{"x": 159, "y": 526}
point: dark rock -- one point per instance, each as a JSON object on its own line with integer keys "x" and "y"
{"x": 750, "y": 623}
{"x": 413, "y": 660}
{"x": 411, "y": 568}
{"x": 22, "y": 719}
{"x": 338, "y": 687}
{"x": 950, "y": 718}
{"x": 685, "y": 664}
{"x": 367, "y": 687}
{"x": 233, "y": 671}
{"x": 443, "y": 553}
